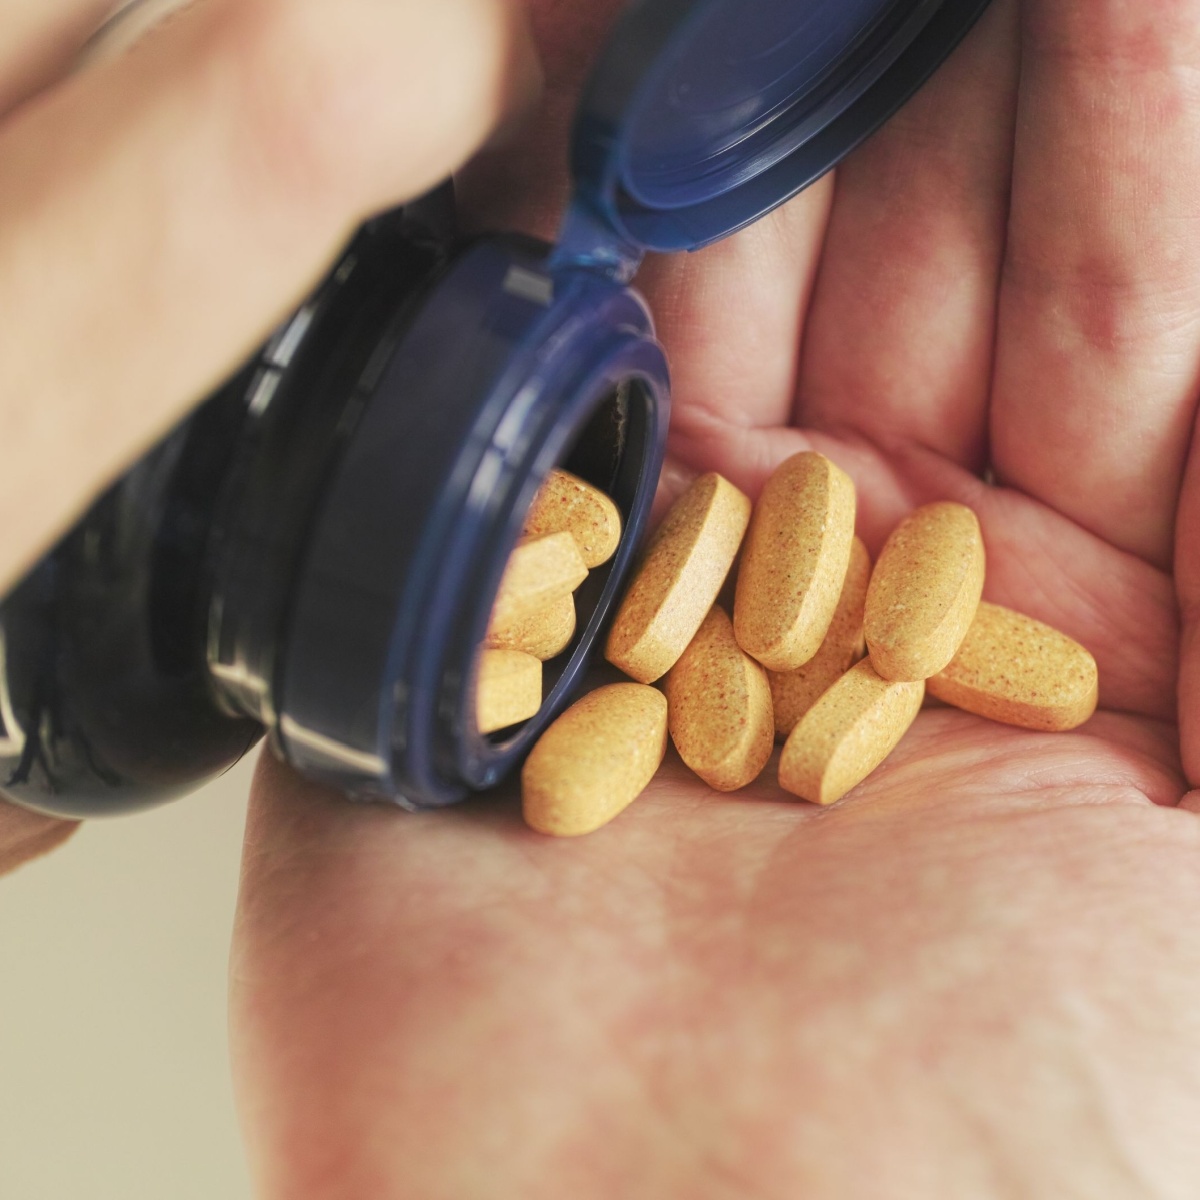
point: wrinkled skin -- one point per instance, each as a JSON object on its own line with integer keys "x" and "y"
{"x": 977, "y": 976}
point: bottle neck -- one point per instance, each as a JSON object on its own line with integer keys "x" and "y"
{"x": 588, "y": 242}
{"x": 507, "y": 370}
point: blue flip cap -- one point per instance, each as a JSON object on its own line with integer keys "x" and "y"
{"x": 703, "y": 115}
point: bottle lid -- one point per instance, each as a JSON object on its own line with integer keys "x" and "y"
{"x": 703, "y": 115}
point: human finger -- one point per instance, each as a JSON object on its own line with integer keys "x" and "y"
{"x": 524, "y": 183}
{"x": 732, "y": 318}
{"x": 160, "y": 212}
{"x": 899, "y": 342}
{"x": 1099, "y": 330}
{"x": 26, "y": 835}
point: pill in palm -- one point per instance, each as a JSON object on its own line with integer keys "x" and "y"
{"x": 918, "y": 613}
{"x": 540, "y": 572}
{"x": 508, "y": 689}
{"x": 849, "y": 732}
{"x": 1013, "y": 669}
{"x": 719, "y": 706}
{"x": 544, "y": 633}
{"x": 595, "y": 759}
{"x": 924, "y": 591}
{"x": 566, "y": 503}
{"x": 677, "y": 582}
{"x": 795, "y": 561}
{"x": 793, "y": 693}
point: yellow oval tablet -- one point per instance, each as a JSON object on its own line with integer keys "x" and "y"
{"x": 595, "y": 760}
{"x": 795, "y": 561}
{"x": 681, "y": 573}
{"x": 793, "y": 693}
{"x": 1014, "y": 669}
{"x": 508, "y": 689}
{"x": 567, "y": 504}
{"x": 850, "y": 730}
{"x": 924, "y": 591}
{"x": 545, "y": 633}
{"x": 719, "y": 706}
{"x": 539, "y": 572}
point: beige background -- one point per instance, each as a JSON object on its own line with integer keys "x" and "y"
{"x": 114, "y": 1075}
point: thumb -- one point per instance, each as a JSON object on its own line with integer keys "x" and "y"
{"x": 162, "y": 210}
{"x": 26, "y": 835}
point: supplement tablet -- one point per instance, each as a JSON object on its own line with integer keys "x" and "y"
{"x": 924, "y": 591}
{"x": 539, "y": 572}
{"x": 793, "y": 693}
{"x": 719, "y": 708}
{"x": 684, "y": 567}
{"x": 545, "y": 633}
{"x": 850, "y": 730}
{"x": 567, "y": 504}
{"x": 508, "y": 689}
{"x": 795, "y": 561}
{"x": 1013, "y": 669}
{"x": 595, "y": 760}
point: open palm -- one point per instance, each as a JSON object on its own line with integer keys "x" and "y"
{"x": 977, "y": 976}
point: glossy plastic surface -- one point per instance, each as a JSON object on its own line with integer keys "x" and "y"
{"x": 306, "y": 396}
{"x": 703, "y": 115}
{"x": 315, "y": 552}
{"x": 105, "y": 703}
{"x": 391, "y": 605}
{"x": 109, "y": 700}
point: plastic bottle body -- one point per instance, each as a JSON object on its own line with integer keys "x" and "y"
{"x": 105, "y": 703}
{"x": 315, "y": 552}
{"x": 310, "y": 554}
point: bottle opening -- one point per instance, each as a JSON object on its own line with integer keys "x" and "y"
{"x": 597, "y": 455}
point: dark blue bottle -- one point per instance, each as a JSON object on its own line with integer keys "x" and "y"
{"x": 313, "y": 554}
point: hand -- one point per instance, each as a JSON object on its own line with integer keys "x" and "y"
{"x": 979, "y": 975}
{"x": 159, "y": 213}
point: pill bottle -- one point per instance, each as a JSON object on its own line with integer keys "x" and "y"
{"x": 313, "y": 554}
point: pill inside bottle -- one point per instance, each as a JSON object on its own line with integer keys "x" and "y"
{"x": 554, "y": 576}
